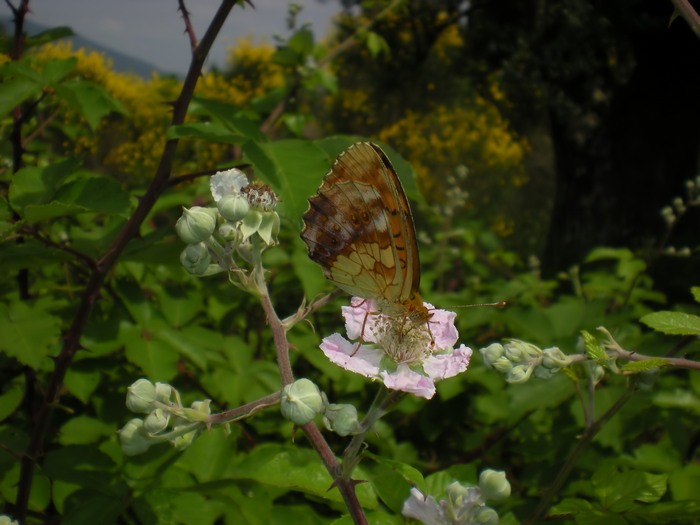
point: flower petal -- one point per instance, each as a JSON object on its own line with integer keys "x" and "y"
{"x": 442, "y": 327}
{"x": 442, "y": 366}
{"x": 227, "y": 182}
{"x": 423, "y": 508}
{"x": 406, "y": 380}
{"x": 360, "y": 319}
{"x": 363, "y": 360}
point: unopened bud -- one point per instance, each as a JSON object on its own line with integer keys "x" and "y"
{"x": 156, "y": 421}
{"x": 233, "y": 207}
{"x": 133, "y": 439}
{"x": 196, "y": 224}
{"x": 494, "y": 485}
{"x": 140, "y": 396}
{"x": 485, "y": 516}
{"x": 195, "y": 258}
{"x": 519, "y": 374}
{"x": 341, "y": 419}
{"x": 491, "y": 353}
{"x": 301, "y": 401}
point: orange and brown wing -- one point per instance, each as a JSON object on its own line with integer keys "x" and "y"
{"x": 360, "y": 230}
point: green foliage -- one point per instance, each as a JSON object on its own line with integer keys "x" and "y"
{"x": 613, "y": 435}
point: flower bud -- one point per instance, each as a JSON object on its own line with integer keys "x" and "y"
{"x": 301, "y": 401}
{"x": 523, "y": 349}
{"x": 519, "y": 374}
{"x": 233, "y": 207}
{"x": 503, "y": 365}
{"x": 485, "y": 516}
{"x": 163, "y": 392}
{"x": 494, "y": 485}
{"x": 6, "y": 520}
{"x": 555, "y": 358}
{"x": 491, "y": 353}
{"x": 196, "y": 224}
{"x": 230, "y": 233}
{"x": 133, "y": 439}
{"x": 195, "y": 258}
{"x": 199, "y": 411}
{"x": 140, "y": 396}
{"x": 341, "y": 419}
{"x": 156, "y": 421}
{"x": 185, "y": 440}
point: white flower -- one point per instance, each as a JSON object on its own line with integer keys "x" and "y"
{"x": 229, "y": 182}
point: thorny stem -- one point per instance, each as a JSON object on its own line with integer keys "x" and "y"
{"x": 279, "y": 334}
{"x": 90, "y": 296}
{"x": 686, "y": 10}
{"x": 245, "y": 410}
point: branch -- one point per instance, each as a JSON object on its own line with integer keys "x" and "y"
{"x": 105, "y": 264}
{"x": 684, "y": 9}
{"x": 188, "y": 24}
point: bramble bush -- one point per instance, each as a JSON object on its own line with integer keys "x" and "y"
{"x": 160, "y": 328}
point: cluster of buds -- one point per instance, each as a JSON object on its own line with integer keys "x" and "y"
{"x": 166, "y": 419}
{"x": 519, "y": 360}
{"x": 463, "y": 505}
{"x": 244, "y": 215}
{"x": 680, "y": 205}
{"x": 302, "y": 401}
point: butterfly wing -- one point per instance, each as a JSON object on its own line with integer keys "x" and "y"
{"x": 360, "y": 230}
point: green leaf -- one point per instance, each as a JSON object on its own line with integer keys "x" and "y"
{"x": 294, "y": 468}
{"x": 156, "y": 358}
{"x": 81, "y": 383}
{"x": 594, "y": 349}
{"x": 91, "y": 506}
{"x": 28, "y": 333}
{"x": 673, "y": 323}
{"x": 35, "y": 185}
{"x": 695, "y": 290}
{"x": 57, "y": 69}
{"x": 294, "y": 169}
{"x": 635, "y": 367}
{"x": 83, "y": 430}
{"x": 208, "y": 131}
{"x": 44, "y": 37}
{"x": 239, "y": 122}
{"x": 89, "y": 99}
{"x": 12, "y": 396}
{"x": 16, "y": 90}
{"x": 377, "y": 45}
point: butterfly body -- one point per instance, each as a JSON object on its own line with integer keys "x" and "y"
{"x": 359, "y": 229}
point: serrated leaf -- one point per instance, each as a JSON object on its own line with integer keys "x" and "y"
{"x": 673, "y": 323}
{"x": 83, "y": 430}
{"x": 594, "y": 349}
{"x": 28, "y": 333}
{"x": 16, "y": 90}
{"x": 643, "y": 366}
{"x": 695, "y": 290}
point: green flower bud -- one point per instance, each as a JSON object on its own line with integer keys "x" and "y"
{"x": 485, "y": 516}
{"x": 519, "y": 374}
{"x": 251, "y": 223}
{"x": 185, "y": 440}
{"x": 233, "y": 207}
{"x": 196, "y": 224}
{"x": 522, "y": 350}
{"x": 555, "y": 358}
{"x": 341, "y": 419}
{"x": 503, "y": 365}
{"x": 269, "y": 227}
{"x": 6, "y": 520}
{"x": 545, "y": 373}
{"x": 494, "y": 485}
{"x": 195, "y": 258}
{"x": 156, "y": 421}
{"x": 199, "y": 411}
{"x": 491, "y": 353}
{"x": 163, "y": 392}
{"x": 140, "y": 396}
{"x": 301, "y": 401}
{"x": 230, "y": 233}
{"x": 133, "y": 438}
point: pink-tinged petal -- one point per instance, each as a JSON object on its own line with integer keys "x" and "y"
{"x": 442, "y": 366}
{"x": 442, "y": 328}
{"x": 360, "y": 319}
{"x": 362, "y": 360}
{"x": 423, "y": 508}
{"x": 406, "y": 380}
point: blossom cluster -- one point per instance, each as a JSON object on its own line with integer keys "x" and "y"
{"x": 166, "y": 420}
{"x": 518, "y": 360}
{"x": 244, "y": 213}
{"x": 463, "y": 505}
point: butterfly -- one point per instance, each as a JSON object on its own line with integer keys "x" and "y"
{"x": 359, "y": 229}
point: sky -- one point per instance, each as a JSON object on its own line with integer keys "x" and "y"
{"x": 152, "y": 30}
